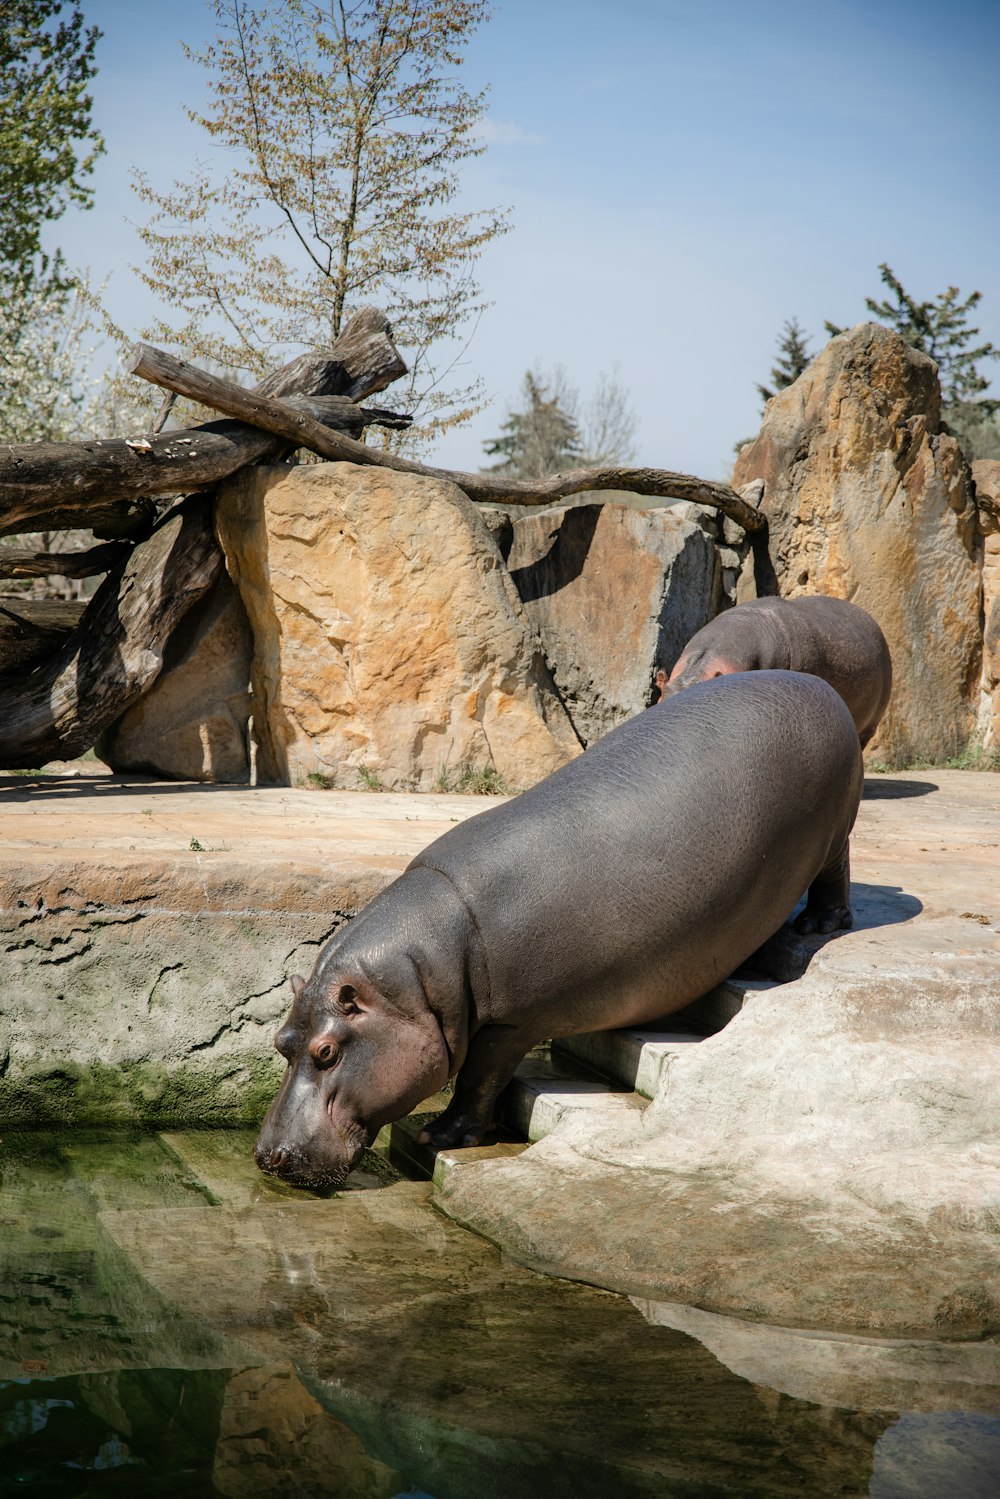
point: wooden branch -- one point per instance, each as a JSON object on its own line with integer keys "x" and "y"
{"x": 42, "y": 481}
{"x": 31, "y": 629}
{"x": 115, "y": 653}
{"x": 62, "y": 564}
{"x": 57, "y": 486}
{"x": 362, "y": 361}
{"x": 299, "y": 428}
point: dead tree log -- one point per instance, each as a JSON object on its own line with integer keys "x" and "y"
{"x": 115, "y": 653}
{"x": 300, "y": 428}
{"x": 88, "y": 564}
{"x": 31, "y": 629}
{"x": 362, "y": 361}
{"x": 59, "y": 486}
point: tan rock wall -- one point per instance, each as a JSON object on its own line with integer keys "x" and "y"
{"x": 867, "y": 499}
{"x": 389, "y": 638}
{"x": 615, "y": 592}
{"x": 986, "y": 477}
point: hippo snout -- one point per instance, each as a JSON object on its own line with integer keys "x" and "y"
{"x": 316, "y": 1167}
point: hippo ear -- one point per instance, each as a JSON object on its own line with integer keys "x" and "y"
{"x": 298, "y": 984}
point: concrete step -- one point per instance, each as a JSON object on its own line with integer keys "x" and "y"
{"x": 545, "y": 1089}
{"x": 634, "y": 1058}
{"x": 601, "y": 1070}
{"x": 541, "y": 1093}
{"x": 637, "y": 1057}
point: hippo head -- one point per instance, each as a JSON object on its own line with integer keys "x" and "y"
{"x": 357, "y": 1058}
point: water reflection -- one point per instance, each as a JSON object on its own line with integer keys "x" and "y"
{"x": 159, "y": 1339}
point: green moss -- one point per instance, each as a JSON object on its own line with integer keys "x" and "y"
{"x": 141, "y": 1093}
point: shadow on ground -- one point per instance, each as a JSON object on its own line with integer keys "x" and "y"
{"x": 879, "y": 790}
{"x": 786, "y": 956}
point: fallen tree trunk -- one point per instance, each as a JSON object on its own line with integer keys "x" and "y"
{"x": 59, "y": 486}
{"x": 56, "y": 485}
{"x": 362, "y": 361}
{"x": 31, "y": 629}
{"x": 115, "y": 653}
{"x": 300, "y": 428}
{"x": 85, "y": 564}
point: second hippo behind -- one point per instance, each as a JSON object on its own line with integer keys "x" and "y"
{"x": 617, "y": 890}
{"x": 831, "y": 638}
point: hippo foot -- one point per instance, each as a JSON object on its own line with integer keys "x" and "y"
{"x": 452, "y": 1133}
{"x": 823, "y": 920}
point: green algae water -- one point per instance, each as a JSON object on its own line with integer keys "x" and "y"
{"x": 173, "y": 1323}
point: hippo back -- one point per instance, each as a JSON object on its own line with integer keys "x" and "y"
{"x": 831, "y": 638}
{"x": 656, "y": 862}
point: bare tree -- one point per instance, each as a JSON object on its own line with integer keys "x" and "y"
{"x": 344, "y": 127}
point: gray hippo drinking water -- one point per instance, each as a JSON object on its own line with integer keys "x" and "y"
{"x": 830, "y": 638}
{"x": 617, "y": 890}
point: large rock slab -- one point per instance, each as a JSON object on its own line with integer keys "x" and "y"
{"x": 831, "y": 1159}
{"x": 389, "y": 642}
{"x": 868, "y": 499}
{"x": 615, "y": 592}
{"x": 986, "y": 477}
{"x": 193, "y": 724}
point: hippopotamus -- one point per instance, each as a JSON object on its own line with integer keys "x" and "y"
{"x": 828, "y": 637}
{"x": 620, "y": 888}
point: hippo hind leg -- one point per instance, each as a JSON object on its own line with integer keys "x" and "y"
{"x": 828, "y": 906}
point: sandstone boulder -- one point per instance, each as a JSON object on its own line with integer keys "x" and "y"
{"x": 193, "y": 723}
{"x": 868, "y": 499}
{"x": 986, "y": 477}
{"x": 615, "y": 592}
{"x": 389, "y": 642}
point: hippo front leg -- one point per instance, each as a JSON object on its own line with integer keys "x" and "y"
{"x": 828, "y": 906}
{"x": 490, "y": 1063}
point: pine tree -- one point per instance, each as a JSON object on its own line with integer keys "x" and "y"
{"x": 793, "y": 357}
{"x": 541, "y": 438}
{"x": 940, "y": 328}
{"x": 342, "y": 128}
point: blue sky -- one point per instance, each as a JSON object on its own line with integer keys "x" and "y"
{"x": 682, "y": 177}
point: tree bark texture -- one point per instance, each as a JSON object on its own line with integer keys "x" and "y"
{"x": 300, "y": 428}
{"x": 31, "y": 629}
{"x": 115, "y": 653}
{"x": 87, "y": 564}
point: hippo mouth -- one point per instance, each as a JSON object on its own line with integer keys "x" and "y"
{"x": 322, "y": 1170}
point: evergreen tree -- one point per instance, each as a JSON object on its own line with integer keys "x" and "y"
{"x": 793, "y": 357}
{"x": 941, "y": 329}
{"x": 541, "y": 438}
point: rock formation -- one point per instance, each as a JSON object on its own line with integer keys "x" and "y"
{"x": 868, "y": 499}
{"x": 193, "y": 723}
{"x": 389, "y": 642}
{"x": 614, "y": 592}
{"x": 986, "y": 477}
